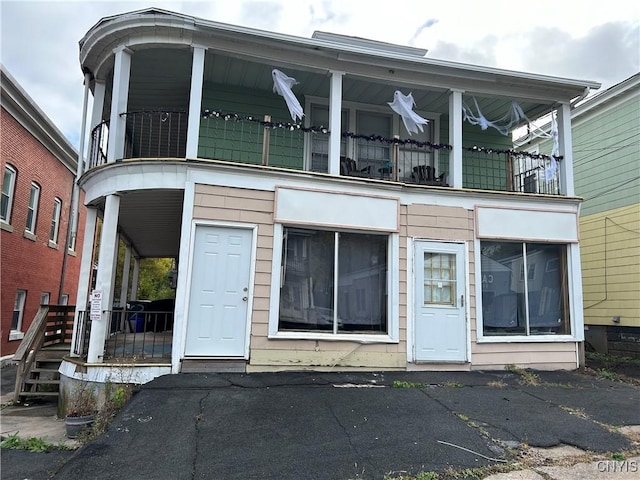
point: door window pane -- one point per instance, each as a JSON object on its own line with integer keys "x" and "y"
{"x": 439, "y": 279}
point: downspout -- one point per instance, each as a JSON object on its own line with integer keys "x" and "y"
{"x": 75, "y": 193}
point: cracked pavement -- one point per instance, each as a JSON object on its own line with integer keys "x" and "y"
{"x": 299, "y": 425}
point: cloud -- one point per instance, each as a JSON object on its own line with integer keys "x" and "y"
{"x": 483, "y": 52}
{"x": 608, "y": 53}
{"x": 261, "y": 14}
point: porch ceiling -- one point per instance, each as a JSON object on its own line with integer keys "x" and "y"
{"x": 150, "y": 220}
{"x": 166, "y": 74}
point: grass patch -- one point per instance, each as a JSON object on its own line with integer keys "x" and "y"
{"x": 419, "y": 476}
{"x": 607, "y": 375}
{"x": 403, "y": 384}
{"x": 526, "y": 377}
{"x": 497, "y": 384}
{"x": 32, "y": 444}
{"x": 453, "y": 385}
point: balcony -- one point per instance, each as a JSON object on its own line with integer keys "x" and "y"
{"x": 260, "y": 141}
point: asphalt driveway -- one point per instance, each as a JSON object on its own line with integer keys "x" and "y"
{"x": 346, "y": 426}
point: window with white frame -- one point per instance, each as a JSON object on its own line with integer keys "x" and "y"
{"x": 64, "y": 299}
{"x": 8, "y": 189}
{"x": 32, "y": 209}
{"x": 55, "y": 221}
{"x": 18, "y": 310}
{"x": 320, "y": 141}
{"x": 333, "y": 282}
{"x": 44, "y": 298}
{"x": 524, "y": 289}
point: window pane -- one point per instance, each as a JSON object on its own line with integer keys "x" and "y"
{"x": 439, "y": 279}
{"x": 503, "y": 308}
{"x": 306, "y": 295}
{"x": 362, "y": 282}
{"x": 32, "y": 209}
{"x": 372, "y": 153}
{"x": 8, "y": 183}
{"x": 55, "y": 220}
{"x": 18, "y": 309}
{"x": 547, "y": 289}
{"x": 320, "y": 141}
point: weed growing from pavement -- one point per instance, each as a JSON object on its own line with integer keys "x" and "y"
{"x": 526, "y": 377}
{"x": 497, "y": 384}
{"x": 403, "y": 384}
{"x": 453, "y": 385}
{"x": 32, "y": 444}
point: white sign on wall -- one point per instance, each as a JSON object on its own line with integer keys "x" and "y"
{"x": 96, "y": 305}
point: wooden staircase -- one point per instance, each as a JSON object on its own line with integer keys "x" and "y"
{"x": 41, "y": 351}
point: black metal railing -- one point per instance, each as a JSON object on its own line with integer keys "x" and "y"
{"x": 535, "y": 175}
{"x": 99, "y": 144}
{"x": 83, "y": 332}
{"x": 155, "y": 134}
{"x": 139, "y": 334}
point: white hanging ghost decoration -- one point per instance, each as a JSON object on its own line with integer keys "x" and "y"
{"x": 282, "y": 86}
{"x": 504, "y": 125}
{"x": 551, "y": 169}
{"x": 403, "y": 106}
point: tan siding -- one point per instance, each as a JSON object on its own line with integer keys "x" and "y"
{"x": 543, "y": 356}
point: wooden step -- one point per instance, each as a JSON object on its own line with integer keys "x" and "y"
{"x": 44, "y": 370}
{"x": 38, "y": 394}
{"x": 38, "y": 381}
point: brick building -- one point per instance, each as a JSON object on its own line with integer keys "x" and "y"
{"x": 38, "y": 165}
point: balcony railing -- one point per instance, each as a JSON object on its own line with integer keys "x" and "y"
{"x": 155, "y": 134}
{"x": 132, "y": 335}
{"x": 260, "y": 141}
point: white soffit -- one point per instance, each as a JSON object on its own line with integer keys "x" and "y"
{"x": 333, "y": 209}
{"x": 533, "y": 225}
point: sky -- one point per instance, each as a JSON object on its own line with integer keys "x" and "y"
{"x": 597, "y": 40}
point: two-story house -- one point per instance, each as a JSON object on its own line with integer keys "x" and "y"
{"x": 336, "y": 241}
{"x": 40, "y": 261}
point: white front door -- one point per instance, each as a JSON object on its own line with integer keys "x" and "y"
{"x": 217, "y": 317}
{"x": 440, "y": 321}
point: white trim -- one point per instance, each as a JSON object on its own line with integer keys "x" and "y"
{"x": 195, "y": 223}
{"x": 393, "y": 302}
{"x": 195, "y": 101}
{"x": 410, "y": 327}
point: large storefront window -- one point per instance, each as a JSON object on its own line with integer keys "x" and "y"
{"x": 524, "y": 289}
{"x": 333, "y": 282}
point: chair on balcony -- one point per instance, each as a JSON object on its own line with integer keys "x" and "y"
{"x": 425, "y": 175}
{"x": 349, "y": 168}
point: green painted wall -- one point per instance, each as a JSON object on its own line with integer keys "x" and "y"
{"x": 479, "y": 170}
{"x": 241, "y": 141}
{"x": 606, "y": 154}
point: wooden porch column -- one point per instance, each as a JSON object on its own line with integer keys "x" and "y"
{"x": 105, "y": 276}
{"x": 119, "y": 97}
{"x": 134, "y": 278}
{"x": 126, "y": 267}
{"x": 86, "y": 267}
{"x": 195, "y": 101}
{"x": 455, "y": 138}
{"x": 335, "y": 118}
{"x": 566, "y": 150}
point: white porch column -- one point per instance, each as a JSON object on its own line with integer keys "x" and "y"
{"x": 455, "y": 138}
{"x": 195, "y": 102}
{"x": 335, "y": 118}
{"x": 134, "y": 278}
{"x": 124, "y": 288}
{"x": 119, "y": 98}
{"x": 86, "y": 269}
{"x": 98, "y": 103}
{"x": 104, "y": 277}
{"x": 566, "y": 150}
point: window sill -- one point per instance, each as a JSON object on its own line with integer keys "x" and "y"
{"x": 5, "y": 226}
{"x": 329, "y": 337}
{"x": 72, "y": 253}
{"x": 30, "y": 236}
{"x": 16, "y": 335}
{"x": 53, "y": 245}
{"x": 529, "y": 339}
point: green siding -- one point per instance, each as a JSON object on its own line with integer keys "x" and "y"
{"x": 606, "y": 155}
{"x": 479, "y": 170}
{"x": 241, "y": 141}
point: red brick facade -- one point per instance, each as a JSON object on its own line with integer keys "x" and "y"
{"x": 34, "y": 265}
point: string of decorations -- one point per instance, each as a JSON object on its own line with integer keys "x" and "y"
{"x": 237, "y": 117}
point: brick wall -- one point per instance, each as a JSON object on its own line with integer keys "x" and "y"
{"x": 32, "y": 264}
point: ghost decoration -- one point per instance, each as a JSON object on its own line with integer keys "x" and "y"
{"x": 282, "y": 86}
{"x": 403, "y": 106}
{"x": 551, "y": 169}
{"x": 504, "y": 125}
